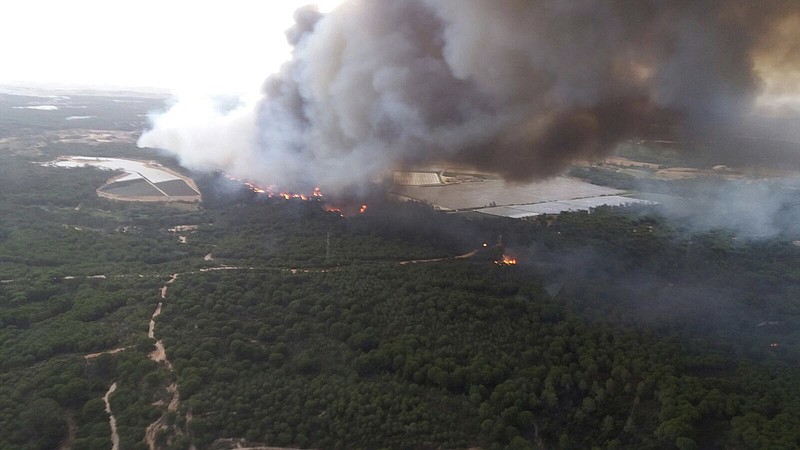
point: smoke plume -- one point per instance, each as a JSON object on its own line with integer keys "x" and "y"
{"x": 518, "y": 87}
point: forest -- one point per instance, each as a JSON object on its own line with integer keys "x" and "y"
{"x": 286, "y": 325}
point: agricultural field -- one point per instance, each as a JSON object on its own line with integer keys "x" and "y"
{"x": 489, "y": 195}
{"x": 143, "y": 181}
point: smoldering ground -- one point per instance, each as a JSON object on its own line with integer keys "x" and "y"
{"x": 517, "y": 87}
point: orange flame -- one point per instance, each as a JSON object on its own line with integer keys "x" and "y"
{"x": 332, "y": 209}
{"x": 506, "y": 261}
{"x": 272, "y": 191}
{"x": 346, "y": 210}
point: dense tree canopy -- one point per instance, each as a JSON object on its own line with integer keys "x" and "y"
{"x": 302, "y": 328}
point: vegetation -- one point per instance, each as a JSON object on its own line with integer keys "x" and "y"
{"x": 618, "y": 329}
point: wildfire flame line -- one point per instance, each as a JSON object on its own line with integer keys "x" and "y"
{"x": 506, "y": 261}
{"x": 272, "y": 191}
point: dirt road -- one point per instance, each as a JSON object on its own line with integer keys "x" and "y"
{"x": 422, "y": 261}
{"x": 107, "y": 352}
{"x": 111, "y": 419}
{"x": 151, "y": 331}
{"x": 166, "y": 285}
{"x": 160, "y": 355}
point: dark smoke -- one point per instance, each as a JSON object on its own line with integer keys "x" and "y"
{"x": 519, "y": 87}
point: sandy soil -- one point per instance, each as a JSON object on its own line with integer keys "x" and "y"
{"x": 173, "y": 404}
{"x": 420, "y": 261}
{"x": 160, "y": 355}
{"x": 166, "y": 285}
{"x": 107, "y": 352}
{"x": 111, "y": 419}
{"x": 153, "y": 429}
{"x": 181, "y": 228}
{"x": 152, "y": 330}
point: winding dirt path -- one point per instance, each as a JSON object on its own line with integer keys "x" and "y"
{"x": 172, "y": 279}
{"x": 151, "y": 331}
{"x": 160, "y": 355}
{"x": 111, "y": 419}
{"x": 152, "y": 430}
{"x": 107, "y": 352}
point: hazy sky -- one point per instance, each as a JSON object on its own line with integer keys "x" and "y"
{"x": 186, "y": 46}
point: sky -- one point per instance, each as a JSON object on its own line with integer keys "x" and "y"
{"x": 186, "y": 47}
